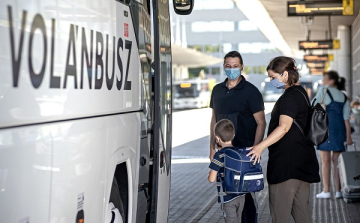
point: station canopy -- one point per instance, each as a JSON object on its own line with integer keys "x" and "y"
{"x": 285, "y": 32}
{"x": 192, "y": 58}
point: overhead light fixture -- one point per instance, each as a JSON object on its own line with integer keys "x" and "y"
{"x": 256, "y": 13}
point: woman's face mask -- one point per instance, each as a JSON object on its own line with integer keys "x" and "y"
{"x": 232, "y": 73}
{"x": 276, "y": 83}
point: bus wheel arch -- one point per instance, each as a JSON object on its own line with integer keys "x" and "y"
{"x": 119, "y": 196}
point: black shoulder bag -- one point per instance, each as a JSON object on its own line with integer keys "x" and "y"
{"x": 316, "y": 130}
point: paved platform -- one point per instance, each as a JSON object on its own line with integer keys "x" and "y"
{"x": 193, "y": 198}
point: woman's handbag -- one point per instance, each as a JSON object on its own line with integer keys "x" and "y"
{"x": 316, "y": 130}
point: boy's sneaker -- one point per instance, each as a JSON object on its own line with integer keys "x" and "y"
{"x": 323, "y": 195}
{"x": 338, "y": 194}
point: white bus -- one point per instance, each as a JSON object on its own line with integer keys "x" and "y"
{"x": 85, "y": 128}
{"x": 191, "y": 94}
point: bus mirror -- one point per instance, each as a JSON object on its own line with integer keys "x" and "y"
{"x": 183, "y": 7}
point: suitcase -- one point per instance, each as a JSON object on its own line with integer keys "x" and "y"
{"x": 349, "y": 170}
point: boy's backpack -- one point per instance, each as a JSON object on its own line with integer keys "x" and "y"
{"x": 241, "y": 175}
{"x": 316, "y": 130}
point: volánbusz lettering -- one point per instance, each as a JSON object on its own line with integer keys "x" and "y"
{"x": 95, "y": 70}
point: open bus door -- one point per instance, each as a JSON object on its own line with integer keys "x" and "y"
{"x": 160, "y": 187}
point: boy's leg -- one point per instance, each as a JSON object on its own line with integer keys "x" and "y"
{"x": 230, "y": 210}
{"x": 281, "y": 198}
{"x": 301, "y": 207}
{"x": 240, "y": 207}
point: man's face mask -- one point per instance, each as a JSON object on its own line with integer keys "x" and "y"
{"x": 232, "y": 73}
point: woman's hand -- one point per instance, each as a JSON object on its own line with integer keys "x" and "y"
{"x": 349, "y": 141}
{"x": 255, "y": 153}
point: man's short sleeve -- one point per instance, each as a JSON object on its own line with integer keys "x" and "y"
{"x": 288, "y": 106}
{"x": 256, "y": 102}
{"x": 217, "y": 162}
{"x": 212, "y": 99}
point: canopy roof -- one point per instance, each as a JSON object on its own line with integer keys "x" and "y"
{"x": 192, "y": 58}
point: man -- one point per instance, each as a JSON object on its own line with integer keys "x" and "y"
{"x": 239, "y": 101}
{"x": 242, "y": 103}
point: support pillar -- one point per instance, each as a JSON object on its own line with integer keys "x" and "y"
{"x": 343, "y": 55}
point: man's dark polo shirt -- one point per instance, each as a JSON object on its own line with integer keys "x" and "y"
{"x": 238, "y": 105}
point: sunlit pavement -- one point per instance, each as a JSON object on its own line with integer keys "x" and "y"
{"x": 193, "y": 198}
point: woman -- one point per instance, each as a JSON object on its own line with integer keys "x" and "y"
{"x": 292, "y": 164}
{"x": 338, "y": 109}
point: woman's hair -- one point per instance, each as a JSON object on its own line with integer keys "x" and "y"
{"x": 338, "y": 81}
{"x": 281, "y": 64}
{"x": 341, "y": 84}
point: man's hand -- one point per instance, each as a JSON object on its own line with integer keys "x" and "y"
{"x": 212, "y": 153}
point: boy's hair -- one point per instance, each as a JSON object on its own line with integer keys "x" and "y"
{"x": 225, "y": 130}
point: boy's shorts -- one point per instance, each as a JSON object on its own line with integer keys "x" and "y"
{"x": 233, "y": 210}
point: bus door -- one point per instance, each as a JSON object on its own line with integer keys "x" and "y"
{"x": 162, "y": 116}
{"x": 160, "y": 191}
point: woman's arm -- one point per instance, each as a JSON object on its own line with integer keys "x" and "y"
{"x": 348, "y": 132}
{"x": 284, "y": 126}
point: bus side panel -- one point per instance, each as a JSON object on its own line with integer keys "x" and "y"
{"x": 66, "y": 59}
{"x": 86, "y": 152}
{"x": 53, "y": 172}
{"x": 25, "y": 174}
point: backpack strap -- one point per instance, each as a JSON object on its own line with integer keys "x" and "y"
{"x": 345, "y": 97}
{"x": 330, "y": 95}
{"x": 295, "y": 122}
{"x": 306, "y": 98}
{"x": 221, "y": 193}
{"x": 313, "y": 103}
{"x": 301, "y": 130}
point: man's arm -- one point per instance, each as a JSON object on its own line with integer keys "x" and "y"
{"x": 261, "y": 125}
{"x": 212, "y": 135}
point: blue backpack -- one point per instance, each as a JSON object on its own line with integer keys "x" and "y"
{"x": 241, "y": 175}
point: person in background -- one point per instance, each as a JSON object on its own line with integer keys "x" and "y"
{"x": 292, "y": 163}
{"x": 241, "y": 102}
{"x": 355, "y": 109}
{"x": 341, "y": 86}
{"x": 338, "y": 110}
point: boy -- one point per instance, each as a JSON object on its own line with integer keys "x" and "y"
{"x": 233, "y": 203}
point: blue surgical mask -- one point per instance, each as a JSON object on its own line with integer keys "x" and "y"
{"x": 232, "y": 73}
{"x": 279, "y": 85}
